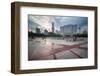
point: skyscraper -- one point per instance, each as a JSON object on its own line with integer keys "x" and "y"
{"x": 53, "y": 28}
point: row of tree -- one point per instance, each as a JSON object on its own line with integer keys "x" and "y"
{"x": 51, "y": 34}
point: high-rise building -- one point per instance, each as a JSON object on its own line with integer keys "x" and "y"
{"x": 68, "y": 29}
{"x": 53, "y": 28}
{"x": 38, "y": 30}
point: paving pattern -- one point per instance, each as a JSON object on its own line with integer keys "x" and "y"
{"x": 50, "y": 48}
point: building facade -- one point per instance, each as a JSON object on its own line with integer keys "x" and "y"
{"x": 68, "y": 29}
{"x": 53, "y": 28}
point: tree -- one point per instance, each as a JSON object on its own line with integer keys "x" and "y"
{"x": 45, "y": 31}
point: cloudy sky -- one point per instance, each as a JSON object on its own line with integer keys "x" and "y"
{"x": 45, "y": 22}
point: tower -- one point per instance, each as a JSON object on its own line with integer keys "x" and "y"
{"x": 53, "y": 29}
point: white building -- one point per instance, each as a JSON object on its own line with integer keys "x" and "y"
{"x": 68, "y": 29}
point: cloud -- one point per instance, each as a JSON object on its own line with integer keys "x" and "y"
{"x": 72, "y": 20}
{"x": 45, "y": 22}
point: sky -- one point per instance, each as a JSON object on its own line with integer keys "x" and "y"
{"x": 45, "y": 22}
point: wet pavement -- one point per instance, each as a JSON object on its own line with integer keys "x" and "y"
{"x": 54, "y": 48}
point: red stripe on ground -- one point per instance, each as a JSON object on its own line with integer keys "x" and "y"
{"x": 57, "y": 50}
{"x": 66, "y": 47}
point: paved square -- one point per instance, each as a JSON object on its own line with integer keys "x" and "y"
{"x": 56, "y": 48}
